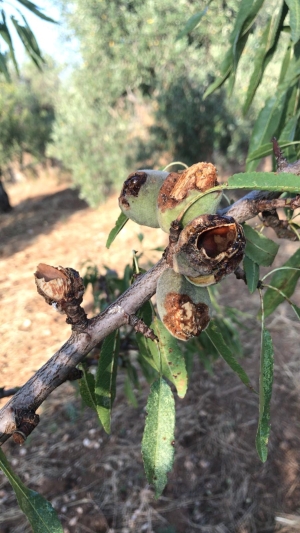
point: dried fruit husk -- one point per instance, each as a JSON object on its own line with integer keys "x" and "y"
{"x": 139, "y": 195}
{"x": 183, "y": 308}
{"x": 208, "y": 249}
{"x": 184, "y": 196}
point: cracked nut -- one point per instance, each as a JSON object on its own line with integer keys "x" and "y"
{"x": 183, "y": 308}
{"x": 139, "y": 195}
{"x": 185, "y": 196}
{"x": 209, "y": 248}
{"x": 57, "y": 285}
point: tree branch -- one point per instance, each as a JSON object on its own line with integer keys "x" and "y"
{"x": 57, "y": 369}
{"x": 22, "y": 406}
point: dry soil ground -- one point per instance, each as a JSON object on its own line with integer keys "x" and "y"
{"x": 96, "y": 482}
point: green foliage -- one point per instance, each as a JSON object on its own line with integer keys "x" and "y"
{"x": 40, "y": 513}
{"x": 217, "y": 340}
{"x": 171, "y": 358}
{"x": 252, "y": 273}
{"x": 158, "y": 439}
{"x": 265, "y": 393}
{"x": 24, "y": 32}
{"x": 105, "y": 382}
{"x": 131, "y": 72}
{"x": 279, "y": 38}
{"x": 120, "y": 223}
{"x": 27, "y": 114}
{"x": 285, "y": 280}
{"x": 259, "y": 248}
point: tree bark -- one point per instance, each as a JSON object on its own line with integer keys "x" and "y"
{"x": 5, "y": 206}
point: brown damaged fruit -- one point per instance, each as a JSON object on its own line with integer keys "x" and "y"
{"x": 182, "y": 196}
{"x": 208, "y": 249}
{"x": 139, "y": 195}
{"x": 57, "y": 285}
{"x": 183, "y": 308}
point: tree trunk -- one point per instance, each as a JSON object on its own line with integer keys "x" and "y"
{"x": 5, "y": 206}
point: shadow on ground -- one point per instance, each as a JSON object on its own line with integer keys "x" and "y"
{"x": 22, "y": 225}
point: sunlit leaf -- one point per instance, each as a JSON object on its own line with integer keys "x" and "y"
{"x": 258, "y": 247}
{"x": 105, "y": 381}
{"x": 267, "y": 149}
{"x": 29, "y": 41}
{"x": 218, "y": 342}
{"x": 5, "y": 34}
{"x": 285, "y": 280}
{"x": 264, "y": 53}
{"x": 294, "y": 7}
{"x": 36, "y": 10}
{"x": 39, "y": 512}
{"x": 119, "y": 225}
{"x": 265, "y": 394}
{"x": 265, "y": 181}
{"x": 158, "y": 438}
{"x": 285, "y": 63}
{"x": 252, "y": 273}
{"x": 266, "y": 125}
{"x": 246, "y": 15}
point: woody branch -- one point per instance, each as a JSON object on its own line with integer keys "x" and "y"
{"x": 19, "y": 412}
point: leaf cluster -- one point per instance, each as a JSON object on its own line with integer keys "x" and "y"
{"x": 18, "y": 21}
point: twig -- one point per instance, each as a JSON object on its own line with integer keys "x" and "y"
{"x": 56, "y": 370}
{"x": 88, "y": 333}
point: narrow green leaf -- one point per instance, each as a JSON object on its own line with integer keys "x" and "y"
{"x": 87, "y": 389}
{"x": 258, "y": 247}
{"x": 284, "y": 280}
{"x": 158, "y": 437}
{"x": 265, "y": 394}
{"x": 265, "y": 181}
{"x": 148, "y": 351}
{"x": 296, "y": 309}
{"x": 285, "y": 63}
{"x": 191, "y": 24}
{"x": 5, "y": 34}
{"x": 129, "y": 392}
{"x": 119, "y": 225}
{"x": 218, "y": 342}
{"x": 267, "y": 149}
{"x": 247, "y": 12}
{"x": 252, "y": 273}
{"x": 172, "y": 358}
{"x": 225, "y": 70}
{"x": 40, "y": 513}
{"x": 105, "y": 382}
{"x": 265, "y": 52}
{"x": 36, "y": 10}
{"x": 3, "y": 66}
{"x": 146, "y": 313}
{"x": 292, "y": 73}
{"x": 294, "y": 7}
{"x": 29, "y": 41}
{"x": 266, "y": 125}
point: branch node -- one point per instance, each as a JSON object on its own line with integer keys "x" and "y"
{"x": 27, "y": 421}
{"x": 140, "y": 327}
{"x": 63, "y": 288}
{"x": 281, "y": 161}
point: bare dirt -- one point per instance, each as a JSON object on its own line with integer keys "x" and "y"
{"x": 95, "y": 481}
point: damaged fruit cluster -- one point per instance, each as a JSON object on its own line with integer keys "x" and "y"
{"x": 207, "y": 247}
